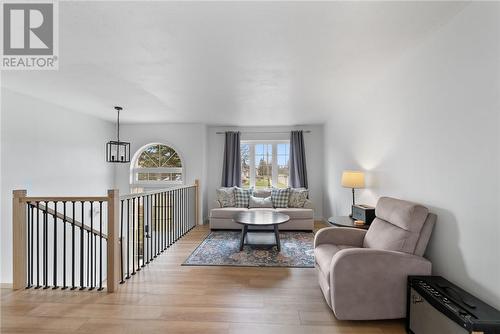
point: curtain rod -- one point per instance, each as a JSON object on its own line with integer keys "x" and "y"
{"x": 305, "y": 131}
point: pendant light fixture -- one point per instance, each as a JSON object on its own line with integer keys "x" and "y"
{"x": 116, "y": 150}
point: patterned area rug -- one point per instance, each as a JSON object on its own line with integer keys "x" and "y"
{"x": 221, "y": 248}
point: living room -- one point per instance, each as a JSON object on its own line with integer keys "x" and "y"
{"x": 391, "y": 105}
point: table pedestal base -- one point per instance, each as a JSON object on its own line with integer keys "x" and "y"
{"x": 260, "y": 238}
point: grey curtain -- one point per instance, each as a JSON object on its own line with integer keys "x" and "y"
{"x": 297, "y": 164}
{"x": 231, "y": 166}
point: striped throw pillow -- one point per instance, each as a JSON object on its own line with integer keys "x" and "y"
{"x": 280, "y": 197}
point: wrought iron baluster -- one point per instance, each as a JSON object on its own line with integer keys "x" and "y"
{"x": 155, "y": 226}
{"x": 28, "y": 243}
{"x": 90, "y": 236}
{"x": 55, "y": 247}
{"x": 82, "y": 246}
{"x": 168, "y": 194}
{"x": 148, "y": 230}
{"x": 88, "y": 258}
{"x": 177, "y": 214}
{"x": 143, "y": 233}
{"x": 32, "y": 208}
{"x": 128, "y": 238}
{"x": 164, "y": 221}
{"x": 45, "y": 247}
{"x": 133, "y": 236}
{"x": 37, "y": 245}
{"x": 162, "y": 227}
{"x": 184, "y": 216}
{"x": 122, "y": 203}
{"x": 73, "y": 260}
{"x": 138, "y": 233}
{"x": 95, "y": 260}
{"x": 64, "y": 287}
{"x": 100, "y": 246}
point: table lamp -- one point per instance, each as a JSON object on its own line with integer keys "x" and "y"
{"x": 354, "y": 180}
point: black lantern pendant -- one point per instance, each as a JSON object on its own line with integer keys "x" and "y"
{"x": 118, "y": 151}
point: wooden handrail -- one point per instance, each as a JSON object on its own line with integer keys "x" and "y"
{"x": 69, "y": 220}
{"x": 152, "y": 192}
{"x": 65, "y": 199}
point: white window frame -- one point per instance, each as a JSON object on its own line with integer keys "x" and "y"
{"x": 274, "y": 143}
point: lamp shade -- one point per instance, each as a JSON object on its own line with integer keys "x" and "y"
{"x": 353, "y": 179}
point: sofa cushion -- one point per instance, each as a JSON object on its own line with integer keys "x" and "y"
{"x": 257, "y": 202}
{"x": 323, "y": 255}
{"x": 296, "y": 213}
{"x": 298, "y": 197}
{"x": 242, "y": 197}
{"x": 225, "y": 197}
{"x": 227, "y": 213}
{"x": 262, "y": 193}
{"x": 280, "y": 197}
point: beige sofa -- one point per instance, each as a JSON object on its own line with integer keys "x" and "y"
{"x": 363, "y": 274}
{"x": 300, "y": 218}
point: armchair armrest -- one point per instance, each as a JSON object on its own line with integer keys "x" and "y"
{"x": 371, "y": 283}
{"x": 340, "y": 236}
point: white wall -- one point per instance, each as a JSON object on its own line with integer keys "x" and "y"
{"x": 428, "y": 131}
{"x": 189, "y": 140}
{"x": 48, "y": 150}
{"x": 314, "y": 157}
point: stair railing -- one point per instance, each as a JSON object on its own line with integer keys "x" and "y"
{"x": 151, "y": 222}
{"x": 82, "y": 242}
{"x": 67, "y": 242}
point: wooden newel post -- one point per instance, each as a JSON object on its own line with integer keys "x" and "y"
{"x": 113, "y": 263}
{"x": 197, "y": 201}
{"x": 19, "y": 255}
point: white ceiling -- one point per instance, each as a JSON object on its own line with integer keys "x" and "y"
{"x": 244, "y": 63}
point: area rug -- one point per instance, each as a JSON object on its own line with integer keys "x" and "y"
{"x": 221, "y": 248}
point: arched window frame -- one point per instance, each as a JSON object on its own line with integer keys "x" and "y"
{"x": 135, "y": 170}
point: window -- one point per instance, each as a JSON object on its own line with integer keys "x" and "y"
{"x": 159, "y": 165}
{"x": 264, "y": 164}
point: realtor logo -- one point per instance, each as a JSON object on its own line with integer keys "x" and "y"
{"x": 29, "y": 36}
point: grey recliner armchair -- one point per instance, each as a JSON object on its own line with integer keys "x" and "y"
{"x": 363, "y": 274}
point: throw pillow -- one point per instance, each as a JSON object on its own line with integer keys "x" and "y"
{"x": 259, "y": 202}
{"x": 298, "y": 197}
{"x": 242, "y": 197}
{"x": 280, "y": 197}
{"x": 226, "y": 198}
{"x": 262, "y": 193}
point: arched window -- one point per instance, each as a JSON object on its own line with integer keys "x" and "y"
{"x": 157, "y": 165}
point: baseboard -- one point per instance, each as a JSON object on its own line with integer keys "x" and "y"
{"x": 5, "y": 285}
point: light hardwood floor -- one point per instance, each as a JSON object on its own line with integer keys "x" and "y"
{"x": 169, "y": 298}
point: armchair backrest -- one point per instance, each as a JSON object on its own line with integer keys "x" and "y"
{"x": 398, "y": 226}
{"x": 425, "y": 234}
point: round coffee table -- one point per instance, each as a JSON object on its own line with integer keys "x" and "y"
{"x": 260, "y": 218}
